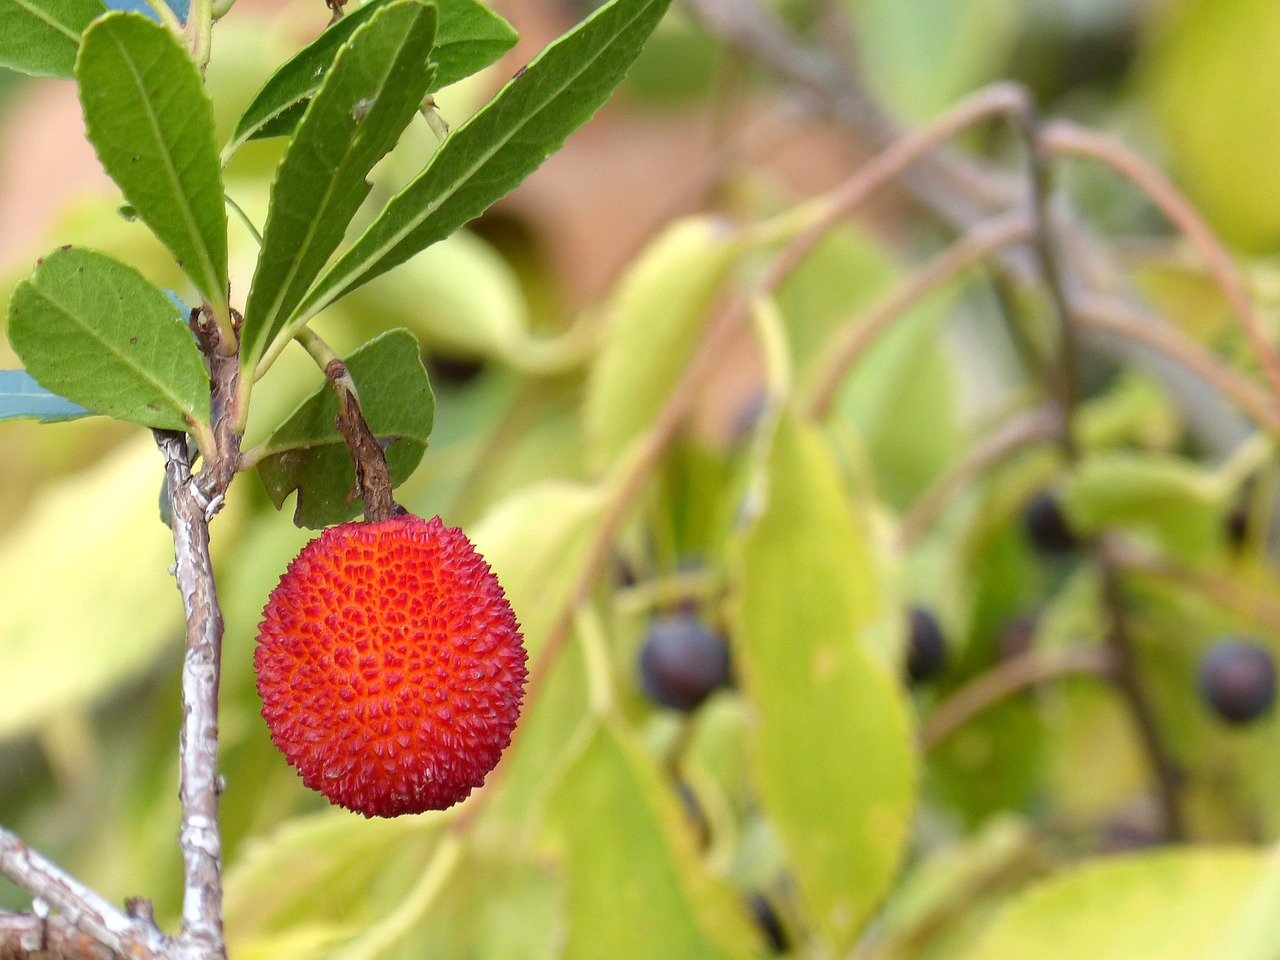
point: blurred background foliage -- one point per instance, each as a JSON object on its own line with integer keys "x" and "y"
{"x": 793, "y": 811}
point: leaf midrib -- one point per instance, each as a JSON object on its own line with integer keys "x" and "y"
{"x": 210, "y": 285}
{"x": 328, "y": 193}
{"x": 306, "y": 311}
{"x": 179, "y": 403}
{"x": 39, "y": 14}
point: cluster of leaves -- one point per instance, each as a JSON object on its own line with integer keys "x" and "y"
{"x": 812, "y": 789}
{"x": 99, "y": 337}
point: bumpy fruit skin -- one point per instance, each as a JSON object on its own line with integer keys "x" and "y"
{"x": 926, "y": 648}
{"x": 391, "y": 666}
{"x": 1238, "y": 680}
{"x": 682, "y": 662}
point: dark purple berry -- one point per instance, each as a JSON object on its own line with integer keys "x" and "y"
{"x": 1238, "y": 526}
{"x": 926, "y": 648}
{"x": 1238, "y": 680}
{"x": 769, "y": 923}
{"x": 454, "y": 371}
{"x": 1047, "y": 525}
{"x": 682, "y": 662}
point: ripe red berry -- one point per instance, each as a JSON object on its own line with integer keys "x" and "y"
{"x": 390, "y": 666}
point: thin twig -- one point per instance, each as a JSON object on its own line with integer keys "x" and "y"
{"x": 998, "y": 100}
{"x": 1035, "y": 426}
{"x": 1014, "y": 675}
{"x": 198, "y": 786}
{"x": 1113, "y": 316}
{"x": 26, "y": 936}
{"x": 1125, "y": 672}
{"x": 78, "y": 905}
{"x": 957, "y": 190}
{"x": 856, "y": 337}
{"x": 1254, "y": 604}
{"x": 1065, "y": 372}
{"x": 1127, "y": 678}
{"x": 1067, "y": 138}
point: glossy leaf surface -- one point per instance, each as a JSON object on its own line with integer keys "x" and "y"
{"x": 634, "y": 889}
{"x": 469, "y": 37}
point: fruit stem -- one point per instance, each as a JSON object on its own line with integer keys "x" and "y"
{"x": 316, "y": 348}
{"x": 373, "y": 476}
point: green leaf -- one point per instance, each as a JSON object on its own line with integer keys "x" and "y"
{"x": 95, "y": 331}
{"x": 1208, "y": 74}
{"x": 1255, "y": 932}
{"x": 506, "y": 140}
{"x": 69, "y": 632}
{"x": 833, "y": 747}
{"x": 21, "y": 397}
{"x": 469, "y": 37}
{"x": 307, "y": 454}
{"x": 277, "y": 108}
{"x": 42, "y": 37}
{"x": 333, "y": 858}
{"x": 494, "y": 907}
{"x": 635, "y": 890}
{"x": 1169, "y": 905}
{"x": 376, "y": 85}
{"x": 651, "y": 328}
{"x": 1162, "y": 497}
{"x": 922, "y": 56}
{"x": 906, "y": 379}
{"x": 148, "y": 117}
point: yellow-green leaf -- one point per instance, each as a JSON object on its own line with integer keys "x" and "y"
{"x": 1212, "y": 72}
{"x": 1169, "y": 905}
{"x": 85, "y": 602}
{"x": 651, "y": 328}
{"x": 634, "y": 889}
{"x": 834, "y": 754}
{"x": 1166, "y": 498}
